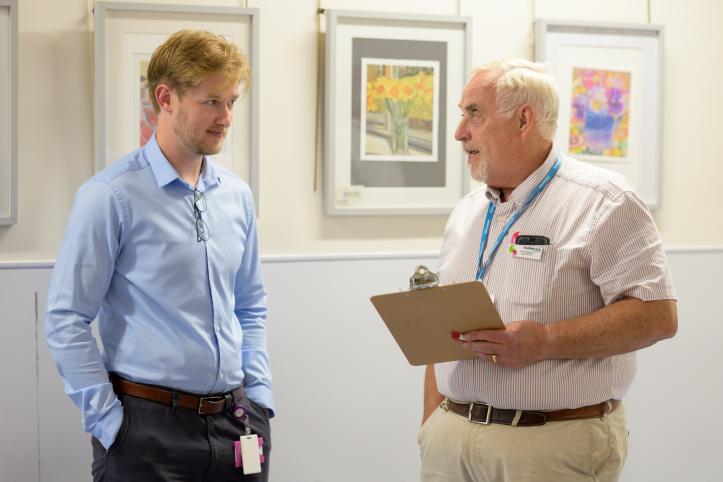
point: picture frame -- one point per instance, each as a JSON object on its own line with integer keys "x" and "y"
{"x": 392, "y": 85}
{"x": 9, "y": 112}
{"x": 126, "y": 34}
{"x": 609, "y": 78}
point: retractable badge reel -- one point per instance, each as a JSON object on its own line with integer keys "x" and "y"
{"x": 248, "y": 449}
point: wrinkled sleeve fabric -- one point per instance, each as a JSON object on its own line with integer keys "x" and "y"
{"x": 627, "y": 256}
{"x": 250, "y": 310}
{"x": 80, "y": 280}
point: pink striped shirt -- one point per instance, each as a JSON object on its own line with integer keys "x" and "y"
{"x": 603, "y": 246}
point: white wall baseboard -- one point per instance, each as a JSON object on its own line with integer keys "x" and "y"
{"x": 303, "y": 258}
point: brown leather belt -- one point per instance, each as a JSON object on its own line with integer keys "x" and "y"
{"x": 485, "y": 414}
{"x": 203, "y": 404}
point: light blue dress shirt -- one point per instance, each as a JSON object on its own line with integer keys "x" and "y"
{"x": 171, "y": 311}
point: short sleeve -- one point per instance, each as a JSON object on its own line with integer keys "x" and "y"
{"x": 627, "y": 256}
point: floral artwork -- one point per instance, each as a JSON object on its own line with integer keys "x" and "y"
{"x": 600, "y": 112}
{"x": 148, "y": 114}
{"x": 398, "y": 118}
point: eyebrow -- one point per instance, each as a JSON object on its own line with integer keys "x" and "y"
{"x": 469, "y": 107}
{"x": 219, "y": 97}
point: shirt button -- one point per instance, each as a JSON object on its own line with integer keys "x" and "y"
{"x": 221, "y": 375}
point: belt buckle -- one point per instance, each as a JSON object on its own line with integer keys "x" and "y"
{"x": 214, "y": 399}
{"x": 487, "y": 418}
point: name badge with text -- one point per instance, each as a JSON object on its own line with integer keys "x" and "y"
{"x": 525, "y": 251}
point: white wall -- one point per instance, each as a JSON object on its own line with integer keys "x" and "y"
{"x": 56, "y": 120}
{"x": 348, "y": 403}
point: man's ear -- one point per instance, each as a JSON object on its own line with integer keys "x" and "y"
{"x": 164, "y": 94}
{"x": 525, "y": 118}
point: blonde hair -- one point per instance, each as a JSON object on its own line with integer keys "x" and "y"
{"x": 520, "y": 82}
{"x": 187, "y": 56}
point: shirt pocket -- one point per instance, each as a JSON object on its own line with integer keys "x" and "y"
{"x": 525, "y": 283}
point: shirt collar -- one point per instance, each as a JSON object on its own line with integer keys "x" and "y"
{"x": 525, "y": 188}
{"x": 209, "y": 175}
{"x": 165, "y": 173}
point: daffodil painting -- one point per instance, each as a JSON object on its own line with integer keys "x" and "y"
{"x": 600, "y": 113}
{"x": 399, "y": 113}
{"x": 148, "y": 114}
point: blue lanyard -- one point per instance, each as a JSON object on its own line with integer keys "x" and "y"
{"x": 482, "y": 268}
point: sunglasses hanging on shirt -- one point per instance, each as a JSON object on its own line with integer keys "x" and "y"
{"x": 199, "y": 206}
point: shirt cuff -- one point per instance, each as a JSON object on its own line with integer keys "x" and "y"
{"x": 262, "y": 396}
{"x": 107, "y": 428}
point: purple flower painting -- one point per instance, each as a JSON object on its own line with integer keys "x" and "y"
{"x": 600, "y": 112}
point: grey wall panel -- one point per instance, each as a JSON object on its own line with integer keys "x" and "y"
{"x": 678, "y": 390}
{"x": 348, "y": 404}
{"x": 19, "y": 458}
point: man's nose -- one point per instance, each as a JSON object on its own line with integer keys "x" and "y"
{"x": 225, "y": 116}
{"x": 461, "y": 133}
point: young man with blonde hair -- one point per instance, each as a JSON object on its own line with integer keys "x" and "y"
{"x": 161, "y": 247}
{"x": 575, "y": 266}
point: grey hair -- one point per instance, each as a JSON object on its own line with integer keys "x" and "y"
{"x": 520, "y": 82}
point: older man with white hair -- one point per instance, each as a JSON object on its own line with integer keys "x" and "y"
{"x": 575, "y": 265}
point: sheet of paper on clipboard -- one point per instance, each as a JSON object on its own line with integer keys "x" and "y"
{"x": 421, "y": 320}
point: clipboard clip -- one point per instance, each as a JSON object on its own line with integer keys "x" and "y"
{"x": 423, "y": 278}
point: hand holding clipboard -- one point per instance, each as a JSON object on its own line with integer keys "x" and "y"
{"x": 421, "y": 320}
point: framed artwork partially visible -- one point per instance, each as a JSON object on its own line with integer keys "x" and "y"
{"x": 126, "y": 34}
{"x": 392, "y": 84}
{"x": 610, "y": 81}
{"x": 8, "y": 112}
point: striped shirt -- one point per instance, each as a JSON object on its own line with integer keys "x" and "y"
{"x": 604, "y": 246}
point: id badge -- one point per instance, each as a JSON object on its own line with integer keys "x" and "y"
{"x": 523, "y": 251}
{"x": 249, "y": 448}
{"x": 248, "y": 457}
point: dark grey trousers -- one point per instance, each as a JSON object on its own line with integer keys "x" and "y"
{"x": 156, "y": 443}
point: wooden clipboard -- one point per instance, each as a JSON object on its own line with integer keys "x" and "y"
{"x": 421, "y": 320}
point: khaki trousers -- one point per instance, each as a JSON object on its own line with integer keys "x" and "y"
{"x": 455, "y": 449}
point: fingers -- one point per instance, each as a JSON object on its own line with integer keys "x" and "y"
{"x": 478, "y": 343}
{"x": 492, "y": 336}
{"x": 482, "y": 346}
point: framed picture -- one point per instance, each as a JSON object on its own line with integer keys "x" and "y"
{"x": 393, "y": 83}
{"x": 610, "y": 81}
{"x": 8, "y": 111}
{"x": 126, "y": 34}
